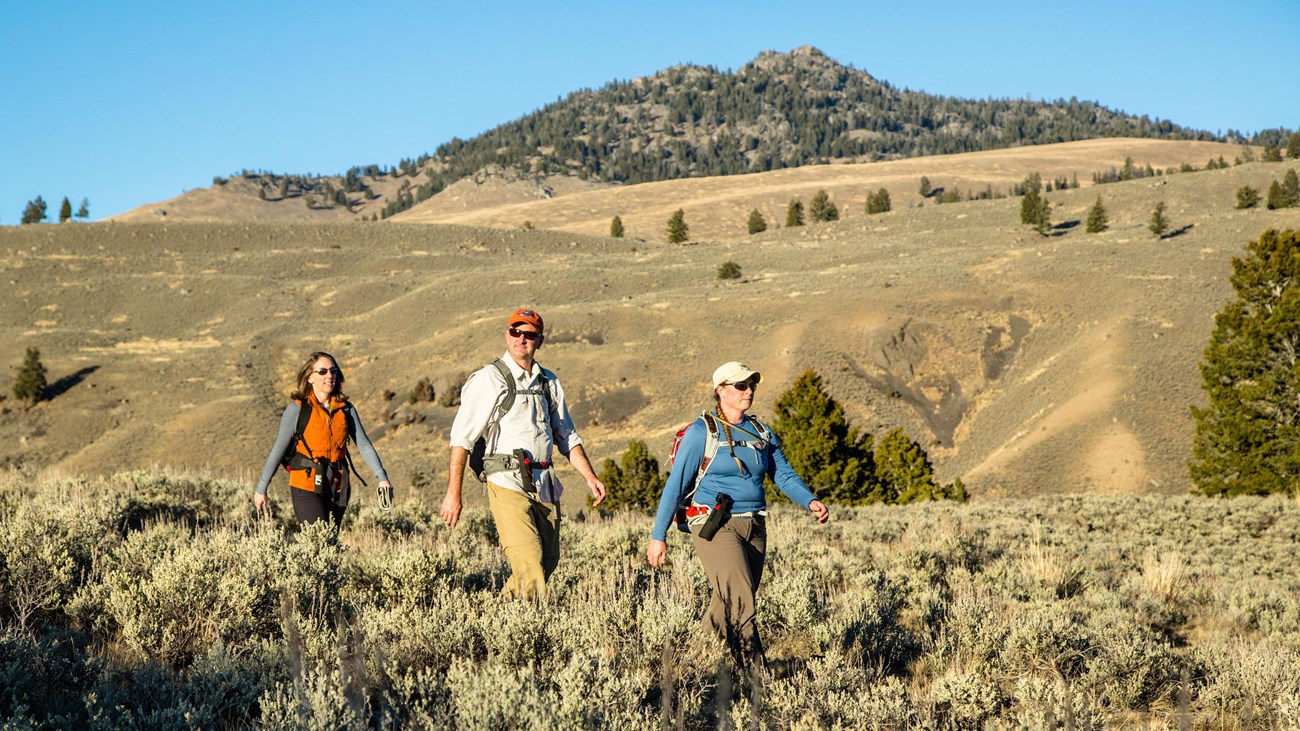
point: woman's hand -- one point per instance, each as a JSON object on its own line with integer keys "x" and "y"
{"x": 656, "y": 553}
{"x": 819, "y": 511}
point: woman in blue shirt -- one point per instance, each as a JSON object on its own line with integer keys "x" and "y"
{"x": 746, "y": 452}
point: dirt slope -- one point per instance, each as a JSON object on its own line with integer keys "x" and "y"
{"x": 1024, "y": 364}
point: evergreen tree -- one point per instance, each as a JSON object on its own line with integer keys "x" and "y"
{"x": 1276, "y": 198}
{"x": 821, "y": 208}
{"x": 831, "y": 456}
{"x": 30, "y": 385}
{"x": 1029, "y": 206}
{"x": 1247, "y": 439}
{"x": 65, "y": 210}
{"x": 878, "y": 202}
{"x": 1097, "y": 221}
{"x": 1272, "y": 154}
{"x": 616, "y": 227}
{"x": 925, "y": 187}
{"x": 1293, "y": 146}
{"x": 677, "y": 231}
{"x": 1159, "y": 223}
{"x": 1290, "y": 189}
{"x": 1043, "y": 217}
{"x": 757, "y": 224}
{"x": 905, "y": 473}
{"x": 83, "y": 210}
{"x": 35, "y": 211}
{"x": 794, "y": 213}
{"x": 1247, "y": 197}
{"x": 635, "y": 481}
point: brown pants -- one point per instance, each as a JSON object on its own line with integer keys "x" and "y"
{"x": 733, "y": 561}
{"x": 529, "y": 532}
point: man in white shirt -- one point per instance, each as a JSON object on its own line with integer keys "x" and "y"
{"x": 523, "y": 491}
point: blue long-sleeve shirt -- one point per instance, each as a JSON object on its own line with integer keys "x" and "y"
{"x": 725, "y": 476}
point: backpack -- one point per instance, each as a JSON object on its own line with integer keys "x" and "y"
{"x": 712, "y": 441}
{"x": 505, "y": 402}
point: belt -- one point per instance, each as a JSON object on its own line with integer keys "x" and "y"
{"x": 696, "y": 510}
{"x": 502, "y": 462}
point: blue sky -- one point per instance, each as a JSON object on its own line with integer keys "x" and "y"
{"x": 128, "y": 103}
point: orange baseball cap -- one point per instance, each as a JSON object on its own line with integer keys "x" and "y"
{"x": 526, "y": 315}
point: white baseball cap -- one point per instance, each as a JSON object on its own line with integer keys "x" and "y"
{"x": 734, "y": 372}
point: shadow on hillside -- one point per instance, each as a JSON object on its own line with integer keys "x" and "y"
{"x": 65, "y": 384}
{"x": 1177, "y": 232}
{"x": 1064, "y": 227}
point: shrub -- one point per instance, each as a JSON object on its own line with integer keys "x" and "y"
{"x": 616, "y": 227}
{"x": 756, "y": 224}
{"x": 1247, "y": 197}
{"x": 879, "y": 202}
{"x": 422, "y": 392}
{"x": 729, "y": 270}
{"x": 794, "y": 213}
{"x": 634, "y": 482}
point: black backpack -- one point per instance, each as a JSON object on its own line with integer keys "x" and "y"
{"x": 505, "y": 402}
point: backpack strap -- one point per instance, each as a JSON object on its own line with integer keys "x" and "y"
{"x": 506, "y": 400}
{"x": 711, "y": 442}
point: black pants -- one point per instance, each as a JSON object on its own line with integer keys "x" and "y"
{"x": 310, "y": 507}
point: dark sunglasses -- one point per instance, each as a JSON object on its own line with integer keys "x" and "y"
{"x": 525, "y": 334}
{"x": 743, "y": 386}
{"x": 323, "y": 371}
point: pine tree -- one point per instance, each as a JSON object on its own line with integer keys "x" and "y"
{"x": 1247, "y": 197}
{"x": 1272, "y": 154}
{"x": 821, "y": 208}
{"x": 635, "y": 482}
{"x": 794, "y": 213}
{"x": 1043, "y": 217}
{"x": 1293, "y": 146}
{"x": 1159, "y": 223}
{"x": 65, "y": 210}
{"x": 1097, "y": 218}
{"x": 925, "y": 187}
{"x": 35, "y": 211}
{"x": 878, "y": 202}
{"x": 616, "y": 228}
{"x": 757, "y": 224}
{"x": 1247, "y": 439}
{"x": 30, "y": 385}
{"x": 831, "y": 456}
{"x": 1276, "y": 198}
{"x": 1029, "y": 206}
{"x": 677, "y": 231}
{"x": 83, "y": 210}
{"x": 1290, "y": 189}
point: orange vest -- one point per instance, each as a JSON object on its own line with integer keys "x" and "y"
{"x": 326, "y": 434}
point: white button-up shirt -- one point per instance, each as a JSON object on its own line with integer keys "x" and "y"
{"x": 536, "y": 423}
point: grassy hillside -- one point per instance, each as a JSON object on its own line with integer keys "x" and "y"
{"x": 1025, "y": 364}
{"x": 156, "y": 600}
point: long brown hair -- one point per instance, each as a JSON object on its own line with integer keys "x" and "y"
{"x": 304, "y": 386}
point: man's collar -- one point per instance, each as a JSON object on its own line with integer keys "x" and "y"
{"x": 517, "y": 370}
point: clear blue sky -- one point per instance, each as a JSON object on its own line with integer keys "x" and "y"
{"x": 132, "y": 102}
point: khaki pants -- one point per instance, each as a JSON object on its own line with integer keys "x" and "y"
{"x": 529, "y": 532}
{"x": 733, "y": 561}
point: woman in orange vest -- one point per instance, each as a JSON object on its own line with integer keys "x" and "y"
{"x": 313, "y": 446}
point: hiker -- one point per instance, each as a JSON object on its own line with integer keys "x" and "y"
{"x": 312, "y": 445}
{"x": 725, "y": 508}
{"x": 512, "y": 414}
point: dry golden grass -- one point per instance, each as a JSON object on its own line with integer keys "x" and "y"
{"x": 1022, "y": 363}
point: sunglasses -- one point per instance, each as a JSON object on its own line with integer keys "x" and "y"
{"x": 525, "y": 334}
{"x": 743, "y": 386}
{"x": 323, "y": 371}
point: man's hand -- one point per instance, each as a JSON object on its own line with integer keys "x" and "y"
{"x": 450, "y": 511}
{"x": 656, "y": 553}
{"x": 820, "y": 511}
{"x": 597, "y": 490}
{"x": 261, "y": 503}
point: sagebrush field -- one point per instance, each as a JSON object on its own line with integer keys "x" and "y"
{"x": 157, "y": 600}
